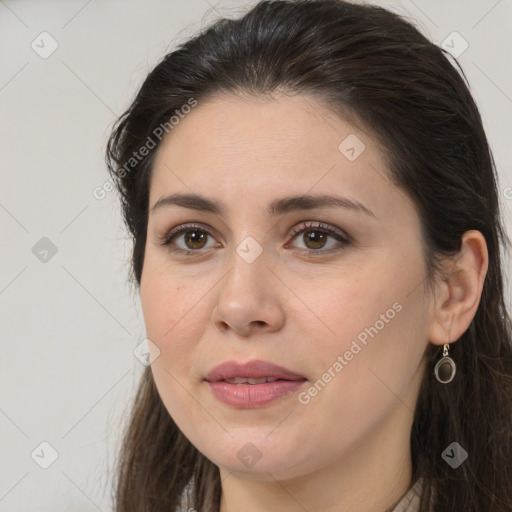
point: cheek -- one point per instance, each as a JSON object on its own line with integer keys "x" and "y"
{"x": 155, "y": 299}
{"x": 374, "y": 323}
{"x": 167, "y": 313}
{"x": 170, "y": 329}
{"x": 345, "y": 303}
{"x": 357, "y": 383}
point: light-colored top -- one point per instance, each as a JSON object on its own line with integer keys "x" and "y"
{"x": 411, "y": 500}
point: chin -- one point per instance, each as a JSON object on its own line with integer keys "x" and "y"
{"x": 265, "y": 464}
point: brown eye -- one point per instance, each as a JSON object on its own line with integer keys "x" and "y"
{"x": 186, "y": 239}
{"x": 315, "y": 237}
{"x": 190, "y": 239}
{"x": 195, "y": 239}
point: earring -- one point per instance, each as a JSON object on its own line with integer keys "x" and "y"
{"x": 445, "y": 368}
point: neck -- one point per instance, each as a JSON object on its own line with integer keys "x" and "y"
{"x": 372, "y": 477}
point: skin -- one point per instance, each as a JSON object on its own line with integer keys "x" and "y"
{"x": 348, "y": 447}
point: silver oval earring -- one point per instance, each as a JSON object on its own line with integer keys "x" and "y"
{"x": 445, "y": 368}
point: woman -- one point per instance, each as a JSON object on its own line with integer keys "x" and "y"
{"x": 316, "y": 229}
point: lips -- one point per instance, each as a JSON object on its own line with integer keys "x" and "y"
{"x": 251, "y": 372}
{"x": 252, "y": 384}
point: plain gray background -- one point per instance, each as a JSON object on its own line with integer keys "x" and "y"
{"x": 70, "y": 321}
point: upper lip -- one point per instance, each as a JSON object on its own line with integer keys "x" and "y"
{"x": 252, "y": 369}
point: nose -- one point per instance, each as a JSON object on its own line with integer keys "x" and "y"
{"x": 249, "y": 299}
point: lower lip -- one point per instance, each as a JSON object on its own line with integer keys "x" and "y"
{"x": 254, "y": 395}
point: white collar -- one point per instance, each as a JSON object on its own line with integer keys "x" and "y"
{"x": 411, "y": 500}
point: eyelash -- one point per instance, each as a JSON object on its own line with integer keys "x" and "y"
{"x": 344, "y": 240}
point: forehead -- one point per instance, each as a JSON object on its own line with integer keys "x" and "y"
{"x": 258, "y": 127}
{"x": 257, "y": 149}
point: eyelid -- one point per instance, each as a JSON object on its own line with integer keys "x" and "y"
{"x": 321, "y": 226}
{"x": 340, "y": 236}
{"x": 183, "y": 227}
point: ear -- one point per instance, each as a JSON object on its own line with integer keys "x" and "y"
{"x": 458, "y": 292}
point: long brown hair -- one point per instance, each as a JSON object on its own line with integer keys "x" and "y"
{"x": 377, "y": 68}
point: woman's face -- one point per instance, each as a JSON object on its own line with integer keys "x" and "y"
{"x": 344, "y": 312}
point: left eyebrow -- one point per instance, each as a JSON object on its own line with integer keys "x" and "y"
{"x": 276, "y": 207}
